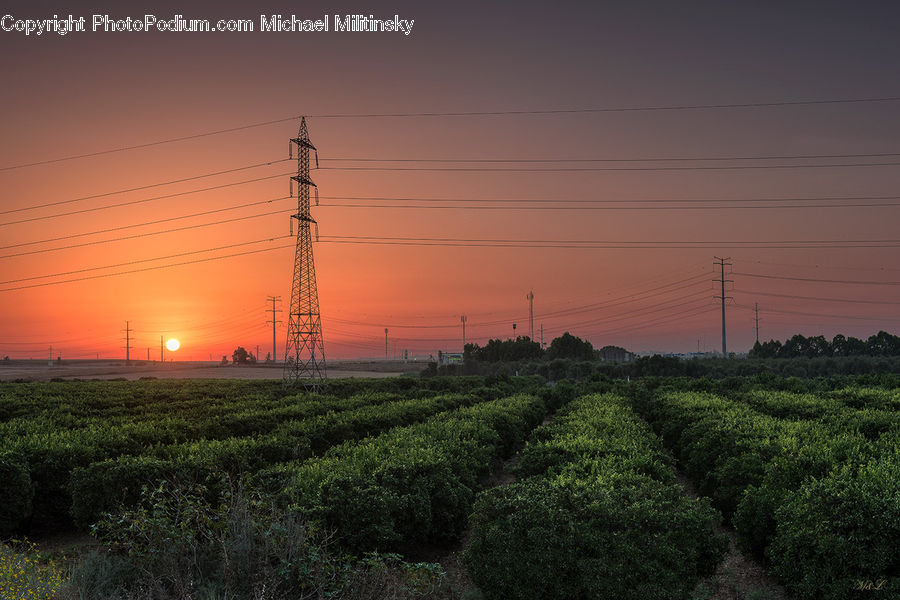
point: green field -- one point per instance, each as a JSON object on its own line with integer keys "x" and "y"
{"x": 225, "y": 488}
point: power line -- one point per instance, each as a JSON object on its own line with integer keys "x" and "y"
{"x": 601, "y": 160}
{"x": 601, "y": 244}
{"x": 559, "y": 208}
{"x": 830, "y": 316}
{"x": 141, "y": 201}
{"x": 572, "y": 111}
{"x": 613, "y": 109}
{"x": 143, "y": 224}
{"x": 134, "y": 262}
{"x": 143, "y": 187}
{"x": 597, "y": 169}
{"x": 691, "y": 298}
{"x": 146, "y": 234}
{"x": 661, "y": 242}
{"x": 685, "y": 314}
{"x": 627, "y": 299}
{"x": 613, "y": 201}
{"x": 847, "y": 281}
{"x": 794, "y": 297}
{"x": 145, "y": 145}
{"x": 189, "y": 262}
{"x": 794, "y": 265}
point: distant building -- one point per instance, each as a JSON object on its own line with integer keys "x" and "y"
{"x": 614, "y": 354}
{"x": 449, "y": 358}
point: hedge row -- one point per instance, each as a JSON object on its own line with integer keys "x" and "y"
{"x": 820, "y": 503}
{"x": 51, "y": 456}
{"x": 101, "y": 486}
{"x": 410, "y": 484}
{"x": 596, "y": 514}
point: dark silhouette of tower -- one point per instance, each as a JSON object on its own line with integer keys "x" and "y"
{"x": 304, "y": 354}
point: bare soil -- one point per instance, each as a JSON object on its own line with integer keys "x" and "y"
{"x": 739, "y": 577}
{"x": 35, "y": 370}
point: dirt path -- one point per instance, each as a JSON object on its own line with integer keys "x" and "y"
{"x": 459, "y": 582}
{"x": 739, "y": 577}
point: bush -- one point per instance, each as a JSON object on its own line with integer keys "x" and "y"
{"x": 598, "y": 515}
{"x": 410, "y": 484}
{"x": 177, "y": 544}
{"x": 840, "y": 530}
{"x": 16, "y": 493}
{"x": 620, "y": 536}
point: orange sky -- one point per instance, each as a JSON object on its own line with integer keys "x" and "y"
{"x": 70, "y": 95}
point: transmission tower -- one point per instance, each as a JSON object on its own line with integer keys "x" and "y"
{"x": 304, "y": 353}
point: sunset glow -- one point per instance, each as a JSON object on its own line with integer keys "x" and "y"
{"x": 612, "y": 217}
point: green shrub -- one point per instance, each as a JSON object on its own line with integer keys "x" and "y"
{"x": 16, "y": 492}
{"x": 622, "y": 536}
{"x": 597, "y": 515}
{"x": 410, "y": 484}
{"x": 839, "y": 530}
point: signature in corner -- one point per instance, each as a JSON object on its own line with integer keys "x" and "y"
{"x": 869, "y": 585}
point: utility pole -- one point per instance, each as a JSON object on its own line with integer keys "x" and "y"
{"x": 385, "y": 343}
{"x": 273, "y": 300}
{"x": 127, "y": 343}
{"x": 722, "y": 264}
{"x": 304, "y": 353}
{"x": 463, "y": 319}
{"x": 756, "y": 310}
{"x": 542, "y": 336}
{"x": 530, "y": 298}
{"x": 257, "y": 353}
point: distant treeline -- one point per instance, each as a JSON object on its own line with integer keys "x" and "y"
{"x": 569, "y": 357}
{"x": 880, "y": 344}
{"x": 524, "y": 348}
{"x": 670, "y": 366}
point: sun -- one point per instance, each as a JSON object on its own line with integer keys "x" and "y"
{"x": 173, "y": 345}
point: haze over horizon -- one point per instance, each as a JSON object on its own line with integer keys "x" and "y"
{"x": 671, "y": 134}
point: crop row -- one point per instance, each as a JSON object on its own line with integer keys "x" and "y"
{"x": 104, "y": 465}
{"x": 596, "y": 513}
{"x": 819, "y": 501}
{"x": 200, "y": 404}
{"x": 101, "y": 486}
{"x": 410, "y": 484}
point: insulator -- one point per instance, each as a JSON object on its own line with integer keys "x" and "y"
{"x": 292, "y": 187}
{"x": 317, "y": 195}
{"x": 317, "y": 159}
{"x": 291, "y": 220}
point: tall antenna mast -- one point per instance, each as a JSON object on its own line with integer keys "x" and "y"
{"x": 304, "y": 354}
{"x": 530, "y": 298}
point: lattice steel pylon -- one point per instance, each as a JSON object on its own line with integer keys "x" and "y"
{"x": 304, "y": 354}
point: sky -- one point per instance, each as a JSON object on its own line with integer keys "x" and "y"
{"x": 694, "y": 130}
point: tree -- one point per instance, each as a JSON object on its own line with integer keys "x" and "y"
{"x": 569, "y": 346}
{"x": 522, "y": 348}
{"x": 240, "y": 356}
{"x": 883, "y": 344}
